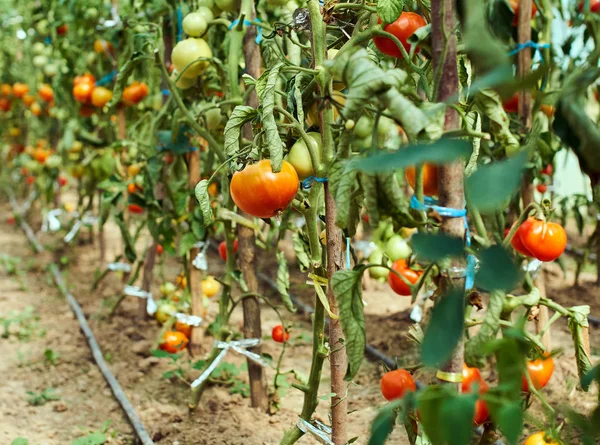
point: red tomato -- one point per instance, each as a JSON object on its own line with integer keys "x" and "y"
{"x": 46, "y": 93}
{"x": 169, "y": 158}
{"x": 395, "y": 384}
{"x": 62, "y": 181}
{"x": 594, "y": 6}
{"x": 539, "y": 371}
{"x": 470, "y": 377}
{"x": 5, "y": 104}
{"x": 259, "y": 192}
{"x": 11, "y": 220}
{"x": 134, "y": 93}
{"x": 132, "y": 188}
{"x": 548, "y": 170}
{"x": 540, "y": 439}
{"x": 223, "y": 249}
{"x": 403, "y": 27}
{"x": 30, "y": 180}
{"x": 516, "y": 241}
{"x": 280, "y": 335}
{"x": 82, "y": 92}
{"x": 430, "y": 178}
{"x": 514, "y": 4}
{"x": 511, "y": 105}
{"x": 62, "y": 30}
{"x": 160, "y": 249}
{"x": 542, "y": 188}
{"x": 173, "y": 341}
{"x": 396, "y": 283}
{"x": 185, "y": 329}
{"x": 545, "y": 240}
{"x": 134, "y": 208}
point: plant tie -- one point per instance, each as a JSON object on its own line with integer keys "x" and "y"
{"x": 259, "y": 31}
{"x": 308, "y": 182}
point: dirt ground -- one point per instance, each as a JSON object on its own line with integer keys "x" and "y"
{"x": 85, "y": 403}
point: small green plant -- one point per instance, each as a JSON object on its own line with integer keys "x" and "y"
{"x": 51, "y": 356}
{"x": 27, "y": 322}
{"x": 20, "y": 441}
{"x": 12, "y": 266}
{"x": 174, "y": 360}
{"x": 226, "y": 374}
{"x": 39, "y": 399}
{"x": 95, "y": 437}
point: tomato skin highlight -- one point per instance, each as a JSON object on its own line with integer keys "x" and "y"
{"x": 396, "y": 283}
{"x": 279, "y": 334}
{"x": 395, "y": 384}
{"x": 430, "y": 178}
{"x": 545, "y": 240}
{"x": 403, "y": 27}
{"x": 540, "y": 371}
{"x": 259, "y": 192}
{"x": 173, "y": 341}
{"x": 223, "y": 249}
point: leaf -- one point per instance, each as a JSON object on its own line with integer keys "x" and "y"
{"x": 384, "y": 422}
{"x": 240, "y": 115}
{"x": 201, "y": 192}
{"x": 347, "y": 287}
{"x": 323, "y": 298}
{"x": 510, "y": 421}
{"x": 273, "y": 140}
{"x": 301, "y": 249}
{"x": 164, "y": 354}
{"x": 389, "y": 10}
{"x": 490, "y": 105}
{"x": 579, "y": 327}
{"x": 186, "y": 243}
{"x": 439, "y": 152}
{"x": 435, "y": 247}
{"x": 445, "y": 328}
{"x": 126, "y": 237}
{"x": 590, "y": 376}
{"x": 458, "y": 412}
{"x": 492, "y": 185}
{"x": 348, "y": 197}
{"x": 96, "y": 438}
{"x": 429, "y": 405}
{"x": 497, "y": 270}
{"x": 283, "y": 282}
{"x": 20, "y": 441}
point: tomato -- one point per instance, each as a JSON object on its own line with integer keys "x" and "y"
{"x": 132, "y": 188}
{"x": 101, "y": 96}
{"x": 430, "y": 178}
{"x": 376, "y": 257}
{"x": 103, "y": 47}
{"x": 169, "y": 158}
{"x": 280, "y": 335}
{"x": 164, "y": 312}
{"x": 160, "y": 249}
{"x": 548, "y": 110}
{"x": 20, "y": 89}
{"x": 470, "y": 377}
{"x": 514, "y": 4}
{"x": 62, "y": 181}
{"x": 213, "y": 189}
{"x": 6, "y": 90}
{"x": 363, "y": 127}
{"x": 173, "y": 341}
{"x": 227, "y": 5}
{"x": 396, "y": 283}
{"x": 62, "y": 30}
{"x": 84, "y": 78}
{"x": 134, "y": 208}
{"x": 194, "y": 24}
{"x": 41, "y": 155}
{"x": 395, "y": 384}
{"x": 259, "y": 192}
{"x": 397, "y": 248}
{"x": 135, "y": 93}
{"x": 223, "y": 249}
{"x": 11, "y": 220}
{"x": 206, "y": 13}
{"x": 594, "y": 6}
{"x": 403, "y": 27}
{"x": 540, "y": 371}
{"x": 548, "y": 169}
{"x": 516, "y": 240}
{"x": 133, "y": 170}
{"x": 542, "y": 188}
{"x": 183, "y": 83}
{"x": 5, "y": 104}
{"x": 511, "y": 105}
{"x": 185, "y": 329}
{"x": 28, "y": 99}
{"x": 188, "y": 50}
{"x": 30, "y": 180}
{"x": 210, "y": 286}
{"x": 539, "y": 439}
{"x": 46, "y": 93}
{"x": 545, "y": 240}
{"x": 299, "y": 155}
{"x": 82, "y": 92}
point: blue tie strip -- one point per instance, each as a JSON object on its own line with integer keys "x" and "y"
{"x": 259, "y": 31}
{"x": 107, "y": 79}
{"x": 308, "y": 182}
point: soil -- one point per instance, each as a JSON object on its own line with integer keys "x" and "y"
{"x": 86, "y": 404}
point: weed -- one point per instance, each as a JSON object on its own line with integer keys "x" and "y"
{"x": 39, "y": 399}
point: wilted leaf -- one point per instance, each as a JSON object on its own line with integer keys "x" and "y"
{"x": 283, "y": 282}
{"x": 201, "y": 192}
{"x": 240, "y": 115}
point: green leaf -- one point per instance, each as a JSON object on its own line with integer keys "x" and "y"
{"x": 20, "y": 441}
{"x": 96, "y": 438}
{"x": 492, "y": 185}
{"x": 348, "y": 197}
{"x": 579, "y": 327}
{"x": 590, "y": 376}
{"x": 510, "y": 421}
{"x": 185, "y": 243}
{"x": 497, "y": 270}
{"x": 201, "y": 192}
{"x": 273, "y": 140}
{"x": 347, "y": 287}
{"x": 445, "y": 328}
{"x": 458, "y": 412}
{"x": 389, "y": 10}
{"x": 323, "y": 298}
{"x": 301, "y": 250}
{"x": 283, "y": 282}
{"x": 429, "y": 405}
{"x": 384, "y": 422}
{"x": 490, "y": 105}
{"x": 439, "y": 152}
{"x": 240, "y": 115}
{"x": 435, "y": 247}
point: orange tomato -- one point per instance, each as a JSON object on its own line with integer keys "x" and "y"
{"x": 103, "y": 47}
{"x": 394, "y": 384}
{"x": 46, "y": 93}
{"x": 41, "y": 155}
{"x": 135, "y": 93}
{"x": 36, "y": 109}
{"x": 6, "y": 90}
{"x": 173, "y": 341}
{"x": 548, "y": 110}
{"x": 82, "y": 92}
{"x": 540, "y": 439}
{"x": 28, "y": 99}
{"x": 101, "y": 96}
{"x": 213, "y": 189}
{"x": 430, "y": 178}
{"x": 5, "y": 104}
{"x": 185, "y": 329}
{"x": 539, "y": 371}
{"x": 396, "y": 283}
{"x": 20, "y": 89}
{"x": 545, "y": 240}
{"x": 259, "y": 192}
{"x": 84, "y": 78}
{"x": 132, "y": 188}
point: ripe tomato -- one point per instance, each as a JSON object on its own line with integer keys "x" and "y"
{"x": 542, "y": 188}
{"x": 186, "y": 52}
{"x": 516, "y": 241}
{"x": 30, "y": 180}
{"x": 514, "y": 4}
{"x": 299, "y": 155}
{"x": 403, "y": 27}
{"x": 46, "y": 93}
{"x": 396, "y": 283}
{"x": 185, "y": 329}
{"x": 223, "y": 249}
{"x": 84, "y": 78}
{"x": 210, "y": 286}
{"x": 545, "y": 240}
{"x": 173, "y": 341}
{"x": 5, "y": 104}
{"x": 169, "y": 158}
{"x": 194, "y": 24}
{"x": 41, "y": 155}
{"x": 82, "y": 92}
{"x": 36, "y": 109}
{"x": 103, "y": 47}
{"x": 548, "y": 169}
{"x": 11, "y": 220}
{"x": 548, "y": 110}
{"x": 539, "y": 439}
{"x": 280, "y": 335}
{"x": 594, "y": 6}
{"x": 540, "y": 371}
{"x": 259, "y": 192}
{"x": 62, "y": 30}
{"x": 430, "y": 178}
{"x": 6, "y": 90}
{"x": 132, "y": 188}
{"x": 135, "y": 93}
{"x": 160, "y": 249}
{"x": 101, "y": 96}
{"x": 134, "y": 208}
{"x": 470, "y": 377}
{"x": 511, "y": 105}
{"x": 394, "y": 384}
{"x": 20, "y": 89}
{"x": 213, "y": 189}
{"x": 62, "y": 181}
{"x": 28, "y": 99}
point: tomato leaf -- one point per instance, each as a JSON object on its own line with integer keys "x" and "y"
{"x": 579, "y": 327}
{"x": 490, "y": 105}
{"x": 457, "y": 412}
{"x": 233, "y": 129}
{"x": 347, "y": 287}
{"x": 445, "y": 328}
{"x": 384, "y": 422}
{"x": 434, "y": 247}
{"x": 438, "y": 152}
{"x": 392, "y": 202}
{"x": 369, "y": 185}
{"x": 492, "y": 185}
{"x": 283, "y": 282}
{"x": 487, "y": 331}
{"x": 429, "y": 405}
{"x": 201, "y": 192}
{"x": 497, "y": 270}
{"x": 510, "y": 421}
{"x": 301, "y": 249}
{"x": 348, "y": 197}
{"x": 273, "y": 140}
{"x": 389, "y": 10}
{"x": 499, "y": 18}
{"x": 590, "y": 376}
{"x": 186, "y": 243}
{"x": 20, "y": 441}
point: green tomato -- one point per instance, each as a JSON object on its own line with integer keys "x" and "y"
{"x": 40, "y": 61}
{"x": 386, "y": 127}
{"x": 188, "y": 50}
{"x": 206, "y": 13}
{"x": 397, "y": 248}
{"x": 364, "y": 127}
{"x": 53, "y": 161}
{"x": 377, "y": 258}
{"x": 168, "y": 289}
{"x": 299, "y": 155}
{"x": 164, "y": 312}
{"x": 42, "y": 27}
{"x": 157, "y": 101}
{"x": 227, "y": 5}
{"x": 51, "y": 70}
{"x": 214, "y": 119}
{"x": 210, "y": 4}
{"x": 38, "y": 48}
{"x": 90, "y": 14}
{"x": 194, "y": 24}
{"x": 183, "y": 83}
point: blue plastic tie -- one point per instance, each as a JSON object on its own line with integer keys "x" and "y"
{"x": 48, "y": 40}
{"x": 259, "y": 31}
{"x": 530, "y": 44}
{"x": 165, "y": 92}
{"x": 308, "y": 182}
{"x": 348, "y": 253}
{"x": 179, "y": 23}
{"x": 107, "y": 79}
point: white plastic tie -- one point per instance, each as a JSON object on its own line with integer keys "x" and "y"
{"x": 51, "y": 221}
{"x": 86, "y": 220}
{"x": 134, "y": 291}
{"x": 416, "y": 314}
{"x": 119, "y": 267}
{"x": 200, "y": 262}
{"x": 190, "y": 320}
{"x": 318, "y": 430}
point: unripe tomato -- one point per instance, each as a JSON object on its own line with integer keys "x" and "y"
{"x": 160, "y": 249}
{"x": 323, "y": 237}
{"x": 185, "y": 329}
{"x": 403, "y": 27}
{"x": 539, "y": 439}
{"x": 280, "y": 335}
{"x": 36, "y": 109}
{"x": 376, "y": 257}
{"x": 395, "y": 384}
{"x": 397, "y": 248}
{"x": 14, "y": 131}
{"x": 227, "y": 5}
{"x": 363, "y": 127}
{"x": 133, "y": 170}
{"x": 103, "y": 47}
{"x": 136, "y": 209}
{"x": 214, "y": 119}
{"x": 548, "y": 110}
{"x": 184, "y": 82}
{"x": 299, "y": 155}
{"x": 173, "y": 341}
{"x": 76, "y": 147}
{"x": 188, "y": 50}
{"x": 540, "y": 371}
{"x": 46, "y": 93}
{"x": 206, "y": 13}
{"x": 40, "y": 61}
{"x": 101, "y": 96}
{"x": 51, "y": 69}
{"x": 164, "y": 312}
{"x": 259, "y": 192}
{"x": 396, "y": 283}
{"x": 210, "y": 4}
{"x": 223, "y": 249}
{"x": 28, "y": 99}
{"x": 430, "y": 178}
{"x": 6, "y": 90}
{"x": 194, "y": 24}
{"x": 82, "y": 92}
{"x": 545, "y": 240}
{"x": 210, "y": 286}
{"x": 542, "y": 188}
